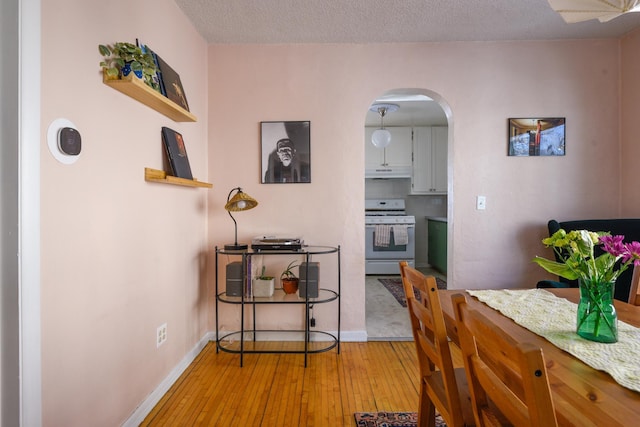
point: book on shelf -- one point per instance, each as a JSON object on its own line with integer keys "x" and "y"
{"x": 157, "y": 79}
{"x": 172, "y": 84}
{"x": 248, "y": 286}
{"x": 176, "y": 153}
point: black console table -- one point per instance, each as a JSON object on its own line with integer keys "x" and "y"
{"x": 312, "y": 341}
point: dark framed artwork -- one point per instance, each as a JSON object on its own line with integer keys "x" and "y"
{"x": 286, "y": 152}
{"x": 537, "y": 136}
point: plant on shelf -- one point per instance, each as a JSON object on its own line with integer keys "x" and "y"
{"x": 289, "y": 279}
{"x": 263, "y": 274}
{"x": 263, "y": 284}
{"x": 122, "y": 57}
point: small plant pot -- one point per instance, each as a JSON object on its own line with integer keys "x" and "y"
{"x": 263, "y": 287}
{"x": 290, "y": 286}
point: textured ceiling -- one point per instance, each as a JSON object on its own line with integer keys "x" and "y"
{"x": 389, "y": 21}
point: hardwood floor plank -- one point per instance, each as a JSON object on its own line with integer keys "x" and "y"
{"x": 277, "y": 390}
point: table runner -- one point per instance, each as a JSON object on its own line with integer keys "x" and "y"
{"x": 554, "y": 319}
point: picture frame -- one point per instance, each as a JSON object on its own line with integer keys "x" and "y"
{"x": 532, "y": 137}
{"x": 286, "y": 152}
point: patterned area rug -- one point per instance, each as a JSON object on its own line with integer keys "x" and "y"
{"x": 391, "y": 419}
{"x": 394, "y": 286}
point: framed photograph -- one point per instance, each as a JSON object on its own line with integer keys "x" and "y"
{"x": 286, "y": 152}
{"x": 176, "y": 153}
{"x": 537, "y": 137}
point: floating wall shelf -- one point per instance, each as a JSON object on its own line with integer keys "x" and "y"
{"x": 155, "y": 175}
{"x": 137, "y": 89}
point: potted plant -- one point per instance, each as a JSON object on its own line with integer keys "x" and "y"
{"x": 263, "y": 284}
{"x": 122, "y": 58}
{"x": 596, "y": 273}
{"x": 288, "y": 279}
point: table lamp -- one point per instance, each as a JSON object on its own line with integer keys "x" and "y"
{"x": 239, "y": 202}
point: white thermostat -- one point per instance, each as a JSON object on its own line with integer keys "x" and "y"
{"x": 64, "y": 141}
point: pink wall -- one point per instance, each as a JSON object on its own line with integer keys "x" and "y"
{"x": 483, "y": 83}
{"x": 629, "y": 124}
{"x": 120, "y": 256}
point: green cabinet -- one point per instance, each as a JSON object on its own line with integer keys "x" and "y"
{"x": 437, "y": 241}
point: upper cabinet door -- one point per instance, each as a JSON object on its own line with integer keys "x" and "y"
{"x": 421, "y": 173}
{"x": 429, "y": 172}
{"x": 399, "y": 151}
{"x": 439, "y": 145}
{"x": 396, "y": 157}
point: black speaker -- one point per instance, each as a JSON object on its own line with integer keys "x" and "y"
{"x": 309, "y": 286}
{"x": 234, "y": 279}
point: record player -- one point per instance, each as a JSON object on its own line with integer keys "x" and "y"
{"x": 275, "y": 243}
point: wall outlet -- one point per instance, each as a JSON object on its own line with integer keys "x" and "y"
{"x": 161, "y": 335}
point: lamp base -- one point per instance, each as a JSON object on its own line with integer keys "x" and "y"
{"x": 235, "y": 247}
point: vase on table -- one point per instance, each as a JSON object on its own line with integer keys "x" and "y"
{"x": 597, "y": 319}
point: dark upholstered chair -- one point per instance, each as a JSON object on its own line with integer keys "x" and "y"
{"x": 628, "y": 227}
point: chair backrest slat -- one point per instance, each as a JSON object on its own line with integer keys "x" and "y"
{"x": 438, "y": 376}
{"x": 507, "y": 379}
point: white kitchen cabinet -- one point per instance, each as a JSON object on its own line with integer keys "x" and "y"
{"x": 429, "y": 174}
{"x": 392, "y": 161}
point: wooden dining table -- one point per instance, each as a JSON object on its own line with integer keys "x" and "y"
{"x": 582, "y": 396}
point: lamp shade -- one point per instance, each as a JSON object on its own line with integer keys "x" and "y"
{"x": 240, "y": 202}
{"x": 381, "y": 138}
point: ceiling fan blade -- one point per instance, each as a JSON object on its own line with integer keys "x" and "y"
{"x": 583, "y": 10}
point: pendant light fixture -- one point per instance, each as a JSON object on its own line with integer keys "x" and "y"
{"x": 381, "y": 138}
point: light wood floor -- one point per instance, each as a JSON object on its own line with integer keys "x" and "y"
{"x": 276, "y": 389}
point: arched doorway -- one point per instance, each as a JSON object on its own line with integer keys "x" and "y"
{"x": 419, "y": 121}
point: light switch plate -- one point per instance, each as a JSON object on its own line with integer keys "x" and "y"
{"x": 481, "y": 203}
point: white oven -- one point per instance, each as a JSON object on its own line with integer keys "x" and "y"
{"x": 389, "y": 236}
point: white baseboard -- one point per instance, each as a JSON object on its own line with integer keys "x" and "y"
{"x": 353, "y": 336}
{"x": 152, "y": 400}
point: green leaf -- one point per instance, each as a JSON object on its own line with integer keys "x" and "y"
{"x": 136, "y": 66}
{"x": 112, "y": 72}
{"x": 104, "y": 50}
{"x": 559, "y": 269}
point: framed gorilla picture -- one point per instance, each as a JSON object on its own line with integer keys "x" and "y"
{"x": 286, "y": 152}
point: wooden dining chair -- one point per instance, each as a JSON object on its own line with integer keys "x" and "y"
{"x": 507, "y": 379}
{"x": 442, "y": 387}
{"x": 634, "y": 292}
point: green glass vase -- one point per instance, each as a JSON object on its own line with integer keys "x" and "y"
{"x": 597, "y": 319}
